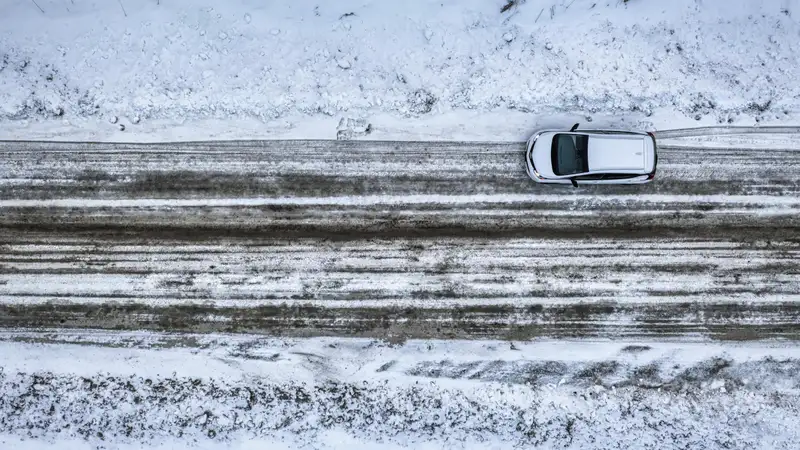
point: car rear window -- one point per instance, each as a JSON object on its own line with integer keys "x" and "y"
{"x": 570, "y": 154}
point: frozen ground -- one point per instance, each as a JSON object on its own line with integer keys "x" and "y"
{"x": 235, "y": 391}
{"x": 187, "y": 69}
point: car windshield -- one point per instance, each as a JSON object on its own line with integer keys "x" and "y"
{"x": 570, "y": 154}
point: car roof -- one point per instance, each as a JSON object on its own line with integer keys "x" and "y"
{"x": 616, "y": 152}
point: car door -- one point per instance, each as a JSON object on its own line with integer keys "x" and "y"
{"x": 623, "y": 178}
{"x": 610, "y": 178}
{"x": 591, "y": 178}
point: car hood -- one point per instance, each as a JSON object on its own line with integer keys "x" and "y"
{"x": 616, "y": 153}
{"x": 541, "y": 156}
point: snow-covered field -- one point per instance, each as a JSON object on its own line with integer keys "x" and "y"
{"x": 194, "y": 69}
{"x": 129, "y": 390}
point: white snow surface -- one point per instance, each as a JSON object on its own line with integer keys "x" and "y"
{"x": 755, "y": 200}
{"x": 129, "y": 390}
{"x": 417, "y": 69}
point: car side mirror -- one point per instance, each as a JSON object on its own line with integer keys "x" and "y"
{"x": 574, "y": 182}
{"x": 574, "y": 127}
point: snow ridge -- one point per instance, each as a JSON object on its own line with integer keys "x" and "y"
{"x": 281, "y": 65}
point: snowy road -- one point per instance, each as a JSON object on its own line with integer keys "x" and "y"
{"x": 406, "y": 239}
{"x": 393, "y": 295}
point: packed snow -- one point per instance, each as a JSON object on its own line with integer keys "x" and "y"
{"x": 743, "y": 200}
{"x": 419, "y": 69}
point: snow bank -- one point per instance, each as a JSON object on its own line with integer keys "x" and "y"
{"x": 195, "y": 69}
{"x": 117, "y": 391}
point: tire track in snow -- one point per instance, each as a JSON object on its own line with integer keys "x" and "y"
{"x": 218, "y": 187}
{"x": 726, "y": 131}
{"x": 446, "y": 287}
{"x": 403, "y": 239}
{"x": 273, "y": 169}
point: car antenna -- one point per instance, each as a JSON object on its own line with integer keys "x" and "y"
{"x": 574, "y": 127}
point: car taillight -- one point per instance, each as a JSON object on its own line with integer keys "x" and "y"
{"x": 655, "y": 156}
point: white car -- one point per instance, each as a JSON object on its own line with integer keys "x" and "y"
{"x": 592, "y": 157}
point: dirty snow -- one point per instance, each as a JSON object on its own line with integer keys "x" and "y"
{"x": 186, "y": 69}
{"x": 743, "y": 200}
